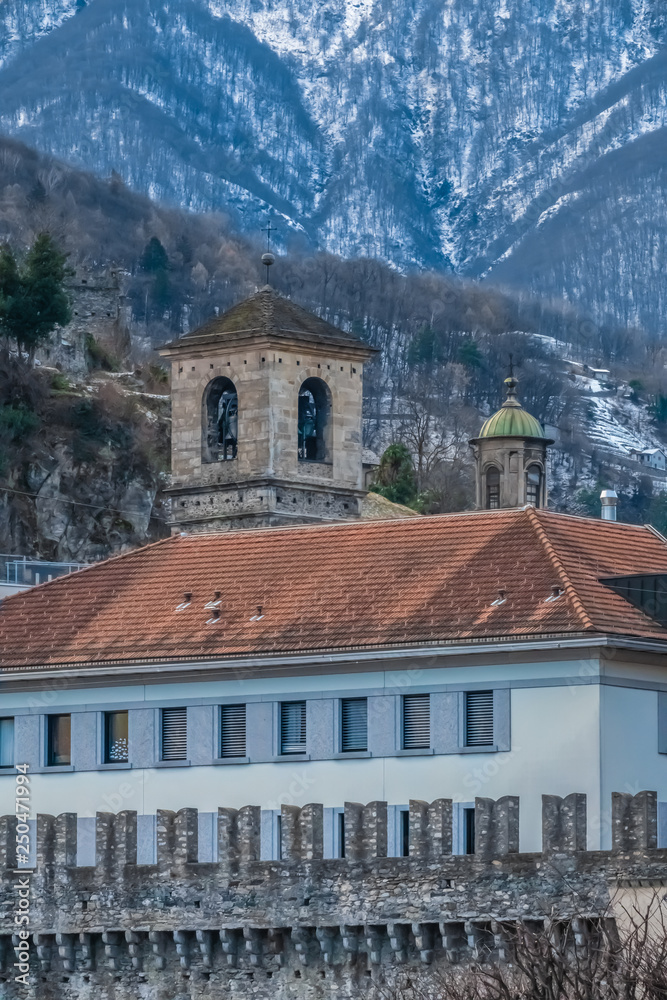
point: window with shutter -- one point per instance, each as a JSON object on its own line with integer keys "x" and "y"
{"x": 353, "y": 724}
{"x": 174, "y": 734}
{"x": 232, "y": 731}
{"x": 6, "y": 742}
{"x": 293, "y": 727}
{"x": 416, "y": 721}
{"x": 479, "y": 719}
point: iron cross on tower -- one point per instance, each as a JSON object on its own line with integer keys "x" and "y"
{"x": 267, "y": 258}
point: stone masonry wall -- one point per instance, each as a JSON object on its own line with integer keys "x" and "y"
{"x": 303, "y": 927}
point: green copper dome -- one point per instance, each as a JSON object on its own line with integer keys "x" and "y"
{"x": 511, "y": 420}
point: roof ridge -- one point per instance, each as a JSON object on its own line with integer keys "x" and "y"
{"x": 362, "y": 522}
{"x": 557, "y": 563}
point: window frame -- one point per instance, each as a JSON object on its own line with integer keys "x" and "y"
{"x": 282, "y": 705}
{"x": 342, "y": 749}
{"x": 171, "y": 760}
{"x": 537, "y": 488}
{"x": 488, "y": 487}
{"x": 220, "y": 749}
{"x": 12, "y": 719}
{"x": 106, "y": 758}
{"x": 403, "y": 832}
{"x": 404, "y": 699}
{"x": 49, "y": 741}
{"x": 322, "y": 397}
{"x": 491, "y": 746}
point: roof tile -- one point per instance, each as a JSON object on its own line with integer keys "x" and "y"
{"x": 336, "y": 586}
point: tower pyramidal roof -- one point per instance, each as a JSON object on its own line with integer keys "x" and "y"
{"x": 269, "y": 316}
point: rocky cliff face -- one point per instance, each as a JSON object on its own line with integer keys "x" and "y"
{"x": 521, "y": 140}
{"x": 82, "y": 464}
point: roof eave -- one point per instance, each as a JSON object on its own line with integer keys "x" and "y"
{"x": 315, "y": 656}
{"x": 512, "y": 437}
{"x": 222, "y": 343}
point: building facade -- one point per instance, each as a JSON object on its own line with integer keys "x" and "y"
{"x": 411, "y": 658}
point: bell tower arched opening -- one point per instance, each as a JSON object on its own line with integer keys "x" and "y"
{"x": 220, "y": 421}
{"x": 314, "y": 421}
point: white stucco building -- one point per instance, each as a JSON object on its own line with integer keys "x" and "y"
{"x": 508, "y": 651}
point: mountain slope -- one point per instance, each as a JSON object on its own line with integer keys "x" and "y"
{"x": 522, "y": 139}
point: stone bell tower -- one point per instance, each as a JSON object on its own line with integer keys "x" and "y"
{"x": 511, "y": 457}
{"x": 266, "y": 419}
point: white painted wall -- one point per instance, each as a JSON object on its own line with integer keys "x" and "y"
{"x": 555, "y": 749}
{"x": 555, "y": 740}
{"x": 629, "y": 747}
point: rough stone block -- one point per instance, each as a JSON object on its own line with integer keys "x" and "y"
{"x": 497, "y": 826}
{"x": 430, "y": 828}
{"x": 302, "y": 832}
{"x": 564, "y": 822}
{"x": 239, "y": 834}
{"x": 365, "y": 830}
{"x": 7, "y": 842}
{"x": 116, "y": 840}
{"x": 65, "y": 846}
{"x": 634, "y": 821}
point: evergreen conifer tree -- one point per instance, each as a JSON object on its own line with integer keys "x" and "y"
{"x": 395, "y": 478}
{"x": 33, "y": 300}
{"x": 154, "y": 257}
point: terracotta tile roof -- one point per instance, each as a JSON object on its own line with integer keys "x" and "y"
{"x": 361, "y": 584}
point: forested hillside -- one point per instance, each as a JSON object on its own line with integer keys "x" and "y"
{"x": 524, "y": 140}
{"x": 445, "y": 346}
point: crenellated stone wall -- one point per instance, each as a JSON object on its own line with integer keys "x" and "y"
{"x": 303, "y": 926}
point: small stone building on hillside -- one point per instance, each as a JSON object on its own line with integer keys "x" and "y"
{"x": 99, "y": 311}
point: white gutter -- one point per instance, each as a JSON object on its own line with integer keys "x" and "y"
{"x": 347, "y": 656}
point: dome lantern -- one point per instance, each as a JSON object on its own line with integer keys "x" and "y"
{"x": 511, "y": 456}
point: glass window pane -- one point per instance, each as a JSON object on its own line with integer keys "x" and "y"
{"x": 59, "y": 737}
{"x": 6, "y": 742}
{"x": 116, "y": 746}
{"x": 293, "y": 727}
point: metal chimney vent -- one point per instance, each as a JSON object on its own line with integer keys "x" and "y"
{"x": 609, "y": 499}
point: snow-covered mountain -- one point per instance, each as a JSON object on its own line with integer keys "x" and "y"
{"x": 522, "y": 140}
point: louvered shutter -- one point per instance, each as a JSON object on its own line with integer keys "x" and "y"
{"x": 479, "y": 718}
{"x": 232, "y": 731}
{"x": 354, "y": 724}
{"x": 416, "y": 722}
{"x": 174, "y": 734}
{"x": 293, "y": 727}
